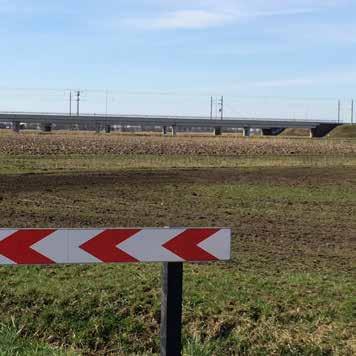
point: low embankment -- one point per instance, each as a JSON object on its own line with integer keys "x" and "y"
{"x": 344, "y": 131}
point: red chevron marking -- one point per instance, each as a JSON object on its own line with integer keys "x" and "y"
{"x": 185, "y": 245}
{"x": 17, "y": 247}
{"x": 104, "y": 246}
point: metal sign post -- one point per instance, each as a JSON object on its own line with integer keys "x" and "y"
{"x": 171, "y": 309}
{"x": 87, "y": 246}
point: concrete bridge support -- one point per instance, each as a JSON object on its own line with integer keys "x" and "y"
{"x": 174, "y": 130}
{"x": 16, "y": 126}
{"x": 46, "y": 127}
{"x": 217, "y": 131}
{"x": 273, "y": 131}
{"x": 322, "y": 130}
{"x": 246, "y": 132}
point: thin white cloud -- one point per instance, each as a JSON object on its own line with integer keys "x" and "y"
{"x": 199, "y": 14}
{"x": 185, "y": 19}
{"x": 285, "y": 12}
{"x": 196, "y": 19}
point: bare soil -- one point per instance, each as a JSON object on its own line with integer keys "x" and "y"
{"x": 304, "y": 216}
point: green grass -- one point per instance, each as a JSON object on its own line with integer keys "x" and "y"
{"x": 12, "y": 344}
{"x": 226, "y": 311}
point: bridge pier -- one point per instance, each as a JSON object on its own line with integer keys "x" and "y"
{"x": 273, "y": 131}
{"x": 322, "y": 130}
{"x": 164, "y": 130}
{"x": 16, "y": 126}
{"x": 217, "y": 131}
{"x": 46, "y": 127}
{"x": 107, "y": 128}
{"x": 174, "y": 130}
{"x": 246, "y": 132}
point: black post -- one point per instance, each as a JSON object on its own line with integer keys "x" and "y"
{"x": 171, "y": 309}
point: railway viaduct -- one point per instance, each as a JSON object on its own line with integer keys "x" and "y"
{"x": 269, "y": 127}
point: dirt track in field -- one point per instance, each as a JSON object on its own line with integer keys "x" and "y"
{"x": 290, "y": 176}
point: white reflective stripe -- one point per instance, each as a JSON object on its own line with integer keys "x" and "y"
{"x": 54, "y": 246}
{"x": 5, "y": 261}
{"x": 218, "y": 244}
{"x": 4, "y": 233}
{"x": 78, "y": 238}
{"x": 146, "y": 245}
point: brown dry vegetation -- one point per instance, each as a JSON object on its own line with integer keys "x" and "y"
{"x": 89, "y": 143}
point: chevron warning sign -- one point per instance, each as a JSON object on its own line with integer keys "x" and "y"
{"x": 50, "y": 246}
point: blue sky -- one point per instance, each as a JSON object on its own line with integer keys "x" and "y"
{"x": 281, "y": 48}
